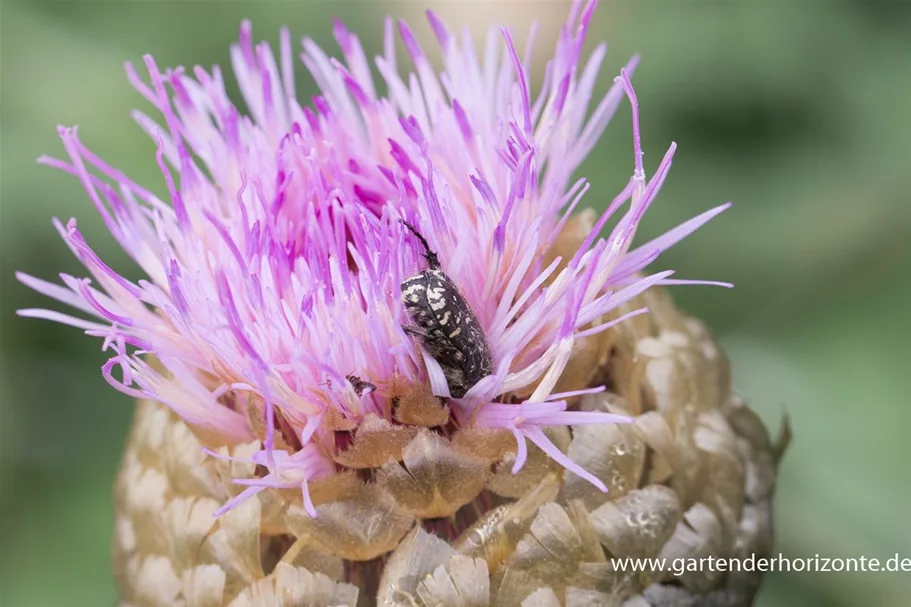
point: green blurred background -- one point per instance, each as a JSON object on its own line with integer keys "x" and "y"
{"x": 799, "y": 112}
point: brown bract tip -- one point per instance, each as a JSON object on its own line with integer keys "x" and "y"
{"x": 416, "y": 405}
{"x": 376, "y": 442}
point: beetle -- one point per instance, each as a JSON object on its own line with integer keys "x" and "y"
{"x": 445, "y": 324}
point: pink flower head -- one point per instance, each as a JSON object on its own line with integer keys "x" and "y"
{"x": 273, "y": 265}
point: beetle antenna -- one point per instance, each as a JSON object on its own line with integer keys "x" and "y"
{"x": 431, "y": 257}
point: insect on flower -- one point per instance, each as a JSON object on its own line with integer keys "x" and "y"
{"x": 289, "y": 348}
{"x": 446, "y": 325}
{"x": 361, "y": 386}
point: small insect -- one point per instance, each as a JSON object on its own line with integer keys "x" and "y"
{"x": 445, "y": 324}
{"x": 361, "y": 387}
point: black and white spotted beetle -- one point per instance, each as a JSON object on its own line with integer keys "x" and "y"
{"x": 445, "y": 324}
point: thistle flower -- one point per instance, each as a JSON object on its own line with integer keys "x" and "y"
{"x": 318, "y": 283}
